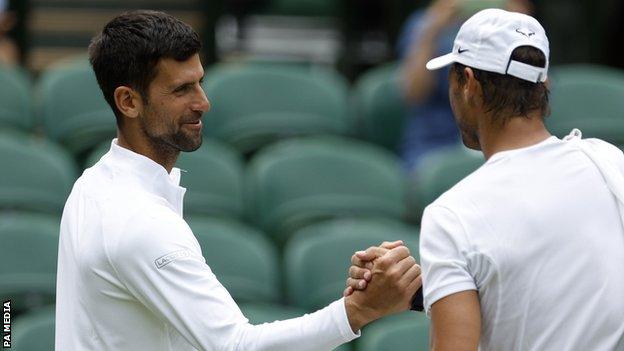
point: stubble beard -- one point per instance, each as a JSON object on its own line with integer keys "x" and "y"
{"x": 170, "y": 142}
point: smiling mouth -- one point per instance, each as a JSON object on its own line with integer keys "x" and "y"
{"x": 193, "y": 124}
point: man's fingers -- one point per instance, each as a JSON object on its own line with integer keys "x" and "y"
{"x": 412, "y": 273}
{"x": 391, "y": 245}
{"x": 356, "y": 261}
{"x": 413, "y": 287}
{"x": 393, "y": 256}
{"x": 405, "y": 264}
{"x": 359, "y": 273}
{"x": 357, "y": 284}
{"x": 348, "y": 291}
{"x": 371, "y": 253}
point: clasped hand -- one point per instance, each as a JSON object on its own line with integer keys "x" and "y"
{"x": 383, "y": 280}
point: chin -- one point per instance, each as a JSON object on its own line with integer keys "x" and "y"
{"x": 191, "y": 147}
{"x": 190, "y": 144}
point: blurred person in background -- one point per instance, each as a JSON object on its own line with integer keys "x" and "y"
{"x": 430, "y": 32}
{"x": 526, "y": 252}
{"x": 131, "y": 274}
{"x": 9, "y": 52}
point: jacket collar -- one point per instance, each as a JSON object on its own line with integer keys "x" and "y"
{"x": 141, "y": 171}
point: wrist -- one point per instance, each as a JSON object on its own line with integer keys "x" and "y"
{"x": 358, "y": 314}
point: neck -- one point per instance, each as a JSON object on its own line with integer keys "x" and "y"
{"x": 162, "y": 154}
{"x": 516, "y": 133}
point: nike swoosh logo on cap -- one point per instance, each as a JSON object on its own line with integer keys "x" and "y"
{"x": 459, "y": 50}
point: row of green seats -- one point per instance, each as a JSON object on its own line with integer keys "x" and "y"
{"x": 256, "y": 104}
{"x": 246, "y": 262}
{"x": 284, "y": 187}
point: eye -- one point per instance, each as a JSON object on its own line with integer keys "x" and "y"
{"x": 182, "y": 89}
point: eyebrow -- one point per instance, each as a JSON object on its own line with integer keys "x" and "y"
{"x": 185, "y": 84}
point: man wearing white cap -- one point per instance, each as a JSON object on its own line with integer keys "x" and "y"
{"x": 526, "y": 253}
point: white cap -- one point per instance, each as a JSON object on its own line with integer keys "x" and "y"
{"x": 487, "y": 39}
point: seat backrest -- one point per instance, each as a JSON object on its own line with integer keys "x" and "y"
{"x": 29, "y": 251}
{"x": 589, "y": 98}
{"x": 34, "y": 331}
{"x": 241, "y": 257}
{"x": 330, "y": 246}
{"x": 245, "y": 95}
{"x": 441, "y": 169}
{"x": 213, "y": 177}
{"x": 303, "y": 180}
{"x": 408, "y": 331}
{"x": 379, "y": 107}
{"x": 15, "y": 99}
{"x": 37, "y": 174}
{"x": 73, "y": 109}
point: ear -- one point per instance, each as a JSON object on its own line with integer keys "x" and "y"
{"x": 128, "y": 101}
{"x": 472, "y": 88}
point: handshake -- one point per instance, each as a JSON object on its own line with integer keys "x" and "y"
{"x": 382, "y": 280}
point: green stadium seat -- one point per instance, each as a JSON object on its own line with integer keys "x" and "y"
{"x": 15, "y": 99}
{"x": 37, "y": 175}
{"x": 407, "y": 331}
{"x": 330, "y": 245}
{"x": 212, "y": 175}
{"x": 241, "y": 257}
{"x": 34, "y": 331}
{"x": 301, "y": 181}
{"x": 439, "y": 170}
{"x": 29, "y": 251}
{"x": 97, "y": 153}
{"x": 590, "y": 98}
{"x": 379, "y": 107}
{"x": 254, "y": 105}
{"x": 73, "y": 109}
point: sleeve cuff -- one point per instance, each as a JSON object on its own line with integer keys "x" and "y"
{"x": 339, "y": 315}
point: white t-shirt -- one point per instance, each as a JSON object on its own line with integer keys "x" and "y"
{"x": 131, "y": 275}
{"x": 537, "y": 232}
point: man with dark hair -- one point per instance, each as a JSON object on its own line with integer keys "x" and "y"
{"x": 131, "y": 275}
{"x": 525, "y": 253}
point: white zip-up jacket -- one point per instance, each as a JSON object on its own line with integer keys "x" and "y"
{"x": 131, "y": 275}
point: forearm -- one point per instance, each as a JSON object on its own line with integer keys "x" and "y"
{"x": 456, "y": 322}
{"x": 325, "y": 329}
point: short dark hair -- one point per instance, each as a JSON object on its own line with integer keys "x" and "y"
{"x": 505, "y": 93}
{"x": 129, "y": 47}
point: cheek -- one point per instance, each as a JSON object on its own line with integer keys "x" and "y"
{"x": 455, "y": 104}
{"x": 158, "y": 118}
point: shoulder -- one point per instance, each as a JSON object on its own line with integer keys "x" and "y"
{"x": 151, "y": 235}
{"x": 466, "y": 189}
{"x": 154, "y": 222}
{"x": 605, "y": 147}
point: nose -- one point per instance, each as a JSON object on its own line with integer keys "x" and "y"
{"x": 203, "y": 104}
